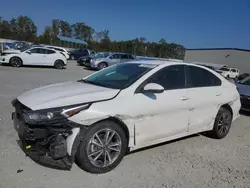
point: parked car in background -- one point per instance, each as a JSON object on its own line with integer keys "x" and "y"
{"x": 108, "y": 59}
{"x": 85, "y": 60}
{"x": 75, "y": 54}
{"x": 229, "y": 72}
{"x": 34, "y": 56}
{"x": 19, "y": 45}
{"x": 60, "y": 49}
{"x": 4, "y": 46}
{"x": 242, "y": 76}
{"x": 98, "y": 119}
{"x": 210, "y": 67}
{"x": 244, "y": 90}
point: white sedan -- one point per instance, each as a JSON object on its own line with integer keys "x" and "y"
{"x": 98, "y": 119}
{"x": 39, "y": 56}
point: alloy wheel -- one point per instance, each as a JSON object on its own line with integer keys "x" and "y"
{"x": 104, "y": 147}
{"x": 224, "y": 123}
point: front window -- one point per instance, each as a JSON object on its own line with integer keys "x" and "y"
{"x": 224, "y": 69}
{"x": 245, "y": 81}
{"x": 119, "y": 76}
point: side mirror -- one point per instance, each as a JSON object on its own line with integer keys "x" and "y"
{"x": 153, "y": 88}
{"x": 28, "y": 52}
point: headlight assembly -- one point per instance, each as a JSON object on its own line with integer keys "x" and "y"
{"x": 52, "y": 115}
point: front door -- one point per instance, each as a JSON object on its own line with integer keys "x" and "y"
{"x": 36, "y": 57}
{"x": 162, "y": 115}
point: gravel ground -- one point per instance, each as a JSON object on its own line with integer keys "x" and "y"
{"x": 196, "y": 161}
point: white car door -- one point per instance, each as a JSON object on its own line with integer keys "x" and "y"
{"x": 161, "y": 115}
{"x": 51, "y": 57}
{"x": 205, "y": 94}
{"x": 36, "y": 57}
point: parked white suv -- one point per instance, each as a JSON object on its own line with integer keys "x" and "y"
{"x": 229, "y": 72}
{"x": 98, "y": 119}
{"x": 36, "y": 56}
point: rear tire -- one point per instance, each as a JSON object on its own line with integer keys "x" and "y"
{"x": 59, "y": 64}
{"x": 222, "y": 123}
{"x": 102, "y": 148}
{"x": 102, "y": 65}
{"x": 16, "y": 62}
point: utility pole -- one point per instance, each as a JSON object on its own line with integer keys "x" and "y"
{"x": 146, "y": 47}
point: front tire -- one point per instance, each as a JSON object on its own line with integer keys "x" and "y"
{"x": 16, "y": 62}
{"x": 222, "y": 123}
{"x": 102, "y": 148}
{"x": 59, "y": 64}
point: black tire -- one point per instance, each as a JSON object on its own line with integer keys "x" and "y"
{"x": 16, "y": 62}
{"x": 222, "y": 123}
{"x": 82, "y": 157}
{"x": 59, "y": 64}
{"x": 102, "y": 65}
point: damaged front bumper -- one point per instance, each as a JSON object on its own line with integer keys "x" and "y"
{"x": 45, "y": 144}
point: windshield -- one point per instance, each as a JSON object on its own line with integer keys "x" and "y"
{"x": 26, "y": 48}
{"x": 224, "y": 69}
{"x": 119, "y": 76}
{"x": 245, "y": 81}
{"x": 101, "y": 55}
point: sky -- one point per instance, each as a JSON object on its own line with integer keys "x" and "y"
{"x": 191, "y": 23}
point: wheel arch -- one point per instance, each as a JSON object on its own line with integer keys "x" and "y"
{"x": 227, "y": 106}
{"x": 117, "y": 120}
{"x": 58, "y": 60}
{"x": 104, "y": 62}
{"x": 15, "y": 56}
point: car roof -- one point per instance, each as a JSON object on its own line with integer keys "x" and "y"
{"x": 157, "y": 62}
{"x": 43, "y": 48}
{"x": 164, "y": 63}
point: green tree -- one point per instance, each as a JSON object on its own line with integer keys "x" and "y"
{"x": 65, "y": 28}
{"x": 5, "y": 31}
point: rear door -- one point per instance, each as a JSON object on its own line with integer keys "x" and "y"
{"x": 114, "y": 59}
{"x": 124, "y": 58}
{"x": 50, "y": 57}
{"x": 205, "y": 93}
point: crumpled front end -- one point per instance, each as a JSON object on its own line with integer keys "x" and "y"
{"x": 46, "y": 143}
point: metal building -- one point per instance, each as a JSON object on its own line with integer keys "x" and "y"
{"x": 231, "y": 57}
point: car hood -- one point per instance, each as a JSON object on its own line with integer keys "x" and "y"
{"x": 64, "y": 94}
{"x": 12, "y": 51}
{"x": 244, "y": 89}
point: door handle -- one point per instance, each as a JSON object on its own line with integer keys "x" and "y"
{"x": 184, "y": 98}
{"x": 217, "y": 94}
